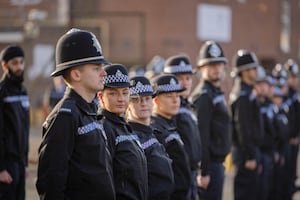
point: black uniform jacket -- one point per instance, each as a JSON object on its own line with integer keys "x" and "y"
{"x": 214, "y": 124}
{"x": 247, "y": 124}
{"x": 160, "y": 173}
{"x": 74, "y": 161}
{"x": 187, "y": 127}
{"x": 292, "y": 100}
{"x": 129, "y": 161}
{"x": 14, "y": 122}
{"x": 269, "y": 136}
{"x": 169, "y": 137}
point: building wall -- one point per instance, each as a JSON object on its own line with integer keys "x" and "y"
{"x": 132, "y": 32}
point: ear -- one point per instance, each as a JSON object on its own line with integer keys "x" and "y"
{"x": 155, "y": 100}
{"x": 4, "y": 66}
{"x": 75, "y": 74}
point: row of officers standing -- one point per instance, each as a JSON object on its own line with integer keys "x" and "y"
{"x": 118, "y": 137}
{"x": 112, "y": 136}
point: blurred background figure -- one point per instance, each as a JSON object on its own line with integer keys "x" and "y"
{"x": 53, "y": 95}
{"x": 214, "y": 123}
{"x": 155, "y": 67}
{"x": 246, "y": 122}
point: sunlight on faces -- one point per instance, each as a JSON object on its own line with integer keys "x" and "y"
{"x": 186, "y": 81}
{"x": 115, "y": 100}
{"x": 92, "y": 76}
{"x": 140, "y": 108}
{"x": 167, "y": 104}
{"x": 16, "y": 65}
{"x": 213, "y": 72}
{"x": 262, "y": 88}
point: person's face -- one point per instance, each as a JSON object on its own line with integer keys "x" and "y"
{"x": 15, "y": 65}
{"x": 250, "y": 75}
{"x": 140, "y": 108}
{"x": 167, "y": 104}
{"x": 293, "y": 81}
{"x": 92, "y": 77}
{"x": 185, "y": 80}
{"x": 115, "y": 100}
{"x": 213, "y": 72}
{"x": 262, "y": 88}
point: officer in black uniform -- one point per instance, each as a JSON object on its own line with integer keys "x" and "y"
{"x": 129, "y": 161}
{"x": 294, "y": 97}
{"x": 166, "y": 106}
{"x": 74, "y": 162}
{"x": 263, "y": 90}
{"x": 14, "y": 124}
{"x": 247, "y": 126}
{"x": 186, "y": 119}
{"x": 160, "y": 173}
{"x": 281, "y": 177}
{"x": 213, "y": 120}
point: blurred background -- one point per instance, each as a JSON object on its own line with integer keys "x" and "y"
{"x": 142, "y": 34}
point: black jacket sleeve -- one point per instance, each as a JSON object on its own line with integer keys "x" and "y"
{"x": 204, "y": 108}
{"x": 54, "y": 155}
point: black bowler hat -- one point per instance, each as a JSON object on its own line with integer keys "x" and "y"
{"x": 243, "y": 60}
{"x": 292, "y": 67}
{"x": 211, "y": 53}
{"x": 117, "y": 76}
{"x": 166, "y": 83}
{"x": 140, "y": 86}
{"x": 179, "y": 64}
{"x": 77, "y": 47}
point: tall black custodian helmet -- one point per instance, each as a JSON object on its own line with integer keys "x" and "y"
{"x": 243, "y": 60}
{"x": 77, "y": 47}
{"x": 210, "y": 53}
{"x": 292, "y": 67}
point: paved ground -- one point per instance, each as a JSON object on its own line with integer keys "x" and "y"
{"x": 35, "y": 139}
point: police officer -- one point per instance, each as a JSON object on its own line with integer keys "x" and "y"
{"x": 213, "y": 120}
{"x": 281, "y": 177}
{"x": 247, "y": 126}
{"x": 263, "y": 90}
{"x": 186, "y": 120}
{"x": 294, "y": 97}
{"x": 74, "y": 162}
{"x": 14, "y": 124}
{"x": 166, "y": 106}
{"x": 160, "y": 173}
{"x": 129, "y": 161}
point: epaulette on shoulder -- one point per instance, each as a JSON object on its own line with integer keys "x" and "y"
{"x": 204, "y": 91}
{"x": 65, "y": 110}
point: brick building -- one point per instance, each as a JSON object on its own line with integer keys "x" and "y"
{"x": 133, "y": 31}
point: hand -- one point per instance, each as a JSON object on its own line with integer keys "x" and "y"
{"x": 203, "y": 181}
{"x": 5, "y": 177}
{"x": 294, "y": 141}
{"x": 276, "y": 157}
{"x": 250, "y": 164}
{"x": 26, "y": 172}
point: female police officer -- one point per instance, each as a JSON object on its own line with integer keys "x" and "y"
{"x": 129, "y": 162}
{"x": 160, "y": 173}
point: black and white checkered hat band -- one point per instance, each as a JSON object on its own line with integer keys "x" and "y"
{"x": 169, "y": 87}
{"x": 119, "y": 78}
{"x": 139, "y": 89}
{"x": 178, "y": 69}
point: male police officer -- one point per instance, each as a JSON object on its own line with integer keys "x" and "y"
{"x": 213, "y": 120}
{"x": 247, "y": 124}
{"x": 14, "y": 125}
{"x": 74, "y": 162}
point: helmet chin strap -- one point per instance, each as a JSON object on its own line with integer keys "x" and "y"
{"x": 16, "y": 78}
